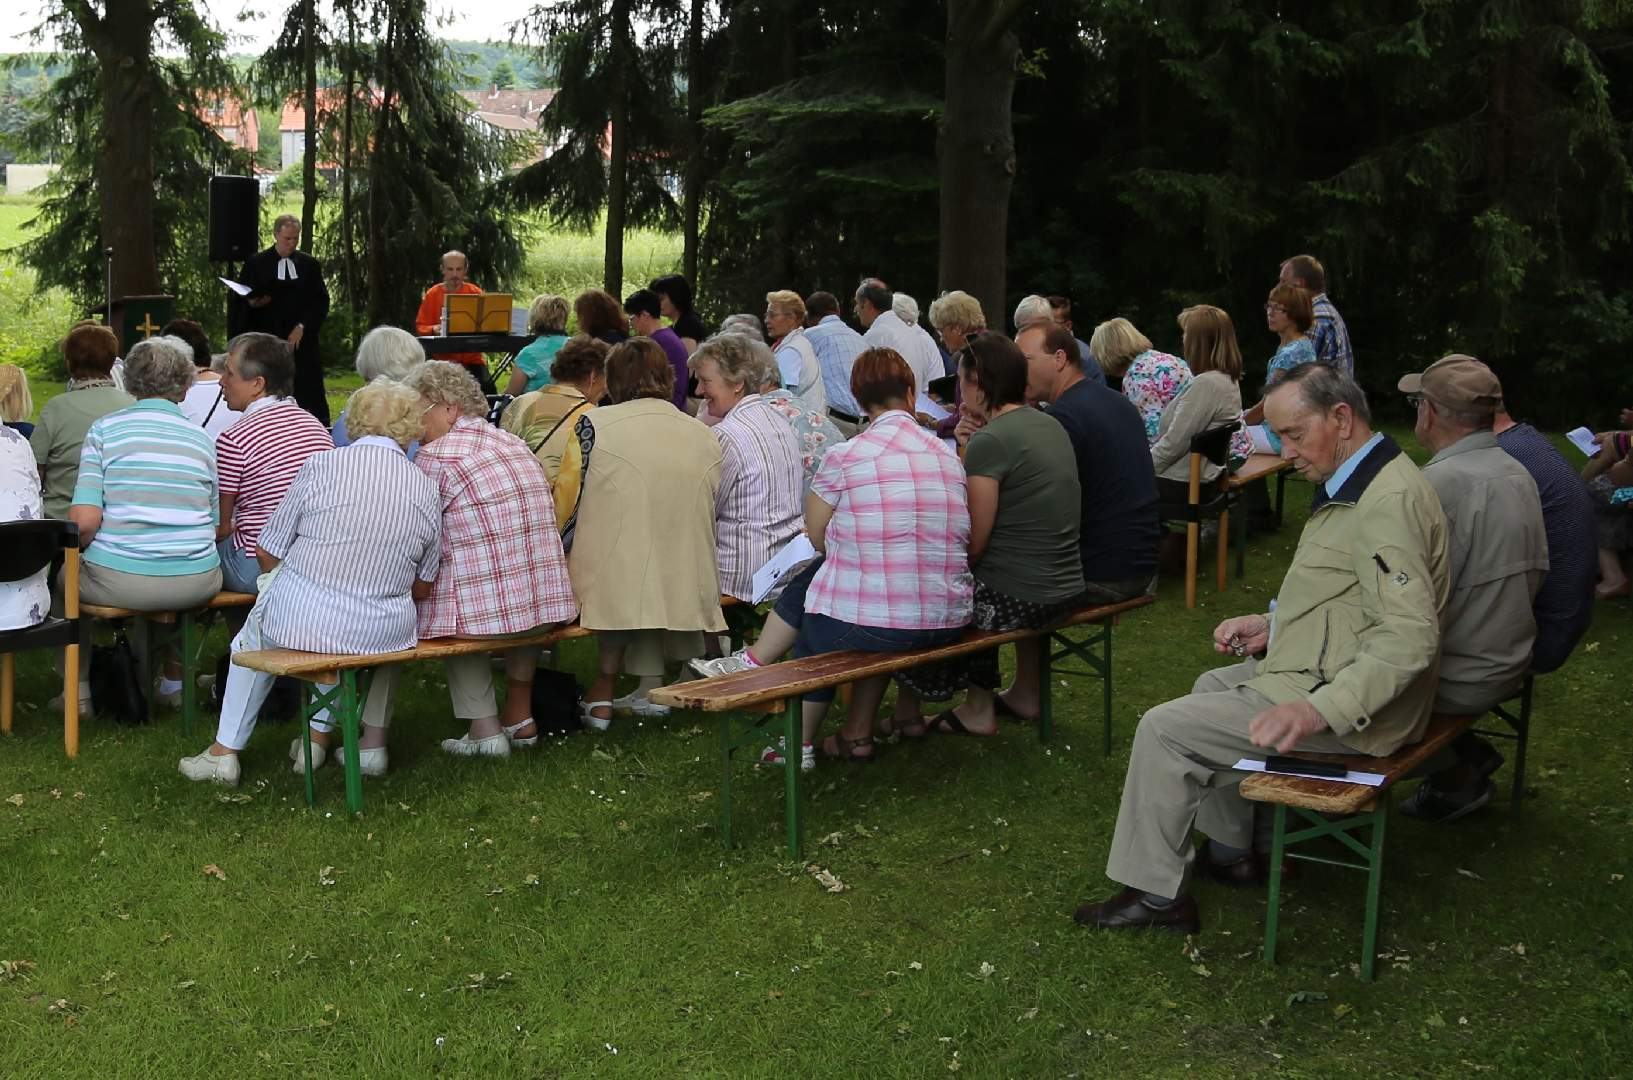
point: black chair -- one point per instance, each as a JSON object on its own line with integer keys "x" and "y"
{"x": 1211, "y": 446}
{"x": 29, "y": 547}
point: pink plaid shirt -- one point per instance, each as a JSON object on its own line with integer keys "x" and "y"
{"x": 503, "y": 570}
{"x": 898, "y": 544}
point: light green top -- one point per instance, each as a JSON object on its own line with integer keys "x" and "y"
{"x": 60, "y": 435}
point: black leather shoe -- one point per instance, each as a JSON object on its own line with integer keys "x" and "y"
{"x": 1251, "y": 870}
{"x": 1129, "y": 911}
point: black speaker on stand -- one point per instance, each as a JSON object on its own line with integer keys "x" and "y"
{"x": 235, "y": 227}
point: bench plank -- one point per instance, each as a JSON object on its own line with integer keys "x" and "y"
{"x": 217, "y": 602}
{"x": 790, "y": 678}
{"x": 1257, "y": 467}
{"x": 1334, "y": 797}
{"x": 322, "y": 667}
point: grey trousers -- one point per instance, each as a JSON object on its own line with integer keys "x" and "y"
{"x": 1181, "y": 777}
{"x": 139, "y": 592}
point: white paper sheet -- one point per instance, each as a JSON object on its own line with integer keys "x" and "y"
{"x": 1582, "y": 439}
{"x": 931, "y": 409}
{"x": 518, "y": 322}
{"x": 241, "y": 290}
{"x": 1261, "y": 439}
{"x": 795, "y": 552}
{"x": 1370, "y": 779}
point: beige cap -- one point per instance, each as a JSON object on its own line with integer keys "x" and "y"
{"x": 1458, "y": 382}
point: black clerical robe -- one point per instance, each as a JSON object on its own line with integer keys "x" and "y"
{"x": 301, "y": 300}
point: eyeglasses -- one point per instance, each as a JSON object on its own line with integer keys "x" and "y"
{"x": 1274, "y": 308}
{"x": 1414, "y": 400}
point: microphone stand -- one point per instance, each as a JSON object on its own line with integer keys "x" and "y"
{"x": 107, "y": 255}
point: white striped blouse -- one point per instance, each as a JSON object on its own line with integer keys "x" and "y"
{"x": 757, "y": 507}
{"x": 358, "y": 525}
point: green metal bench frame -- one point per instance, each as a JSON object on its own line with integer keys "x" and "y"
{"x": 1519, "y": 721}
{"x": 739, "y": 730}
{"x": 345, "y": 701}
{"x": 1347, "y": 831}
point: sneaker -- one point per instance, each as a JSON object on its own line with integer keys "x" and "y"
{"x": 723, "y": 665}
{"x": 320, "y": 754}
{"x": 206, "y": 766}
{"x": 465, "y": 746}
{"x": 171, "y": 700}
{"x": 522, "y": 744}
{"x": 639, "y": 705}
{"x": 1437, "y": 807}
{"x": 773, "y": 755}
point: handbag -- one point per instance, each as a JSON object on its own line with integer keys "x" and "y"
{"x": 556, "y": 698}
{"x": 116, "y": 682}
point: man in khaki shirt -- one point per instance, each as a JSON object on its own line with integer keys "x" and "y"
{"x": 1345, "y": 662}
{"x": 1498, "y": 551}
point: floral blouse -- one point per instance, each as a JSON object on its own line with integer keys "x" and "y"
{"x": 815, "y": 433}
{"x": 1152, "y": 380}
{"x": 26, "y": 602}
{"x": 1295, "y": 353}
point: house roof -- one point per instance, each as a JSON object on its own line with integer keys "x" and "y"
{"x": 527, "y": 104}
{"x": 230, "y": 112}
{"x": 505, "y": 122}
{"x": 330, "y": 99}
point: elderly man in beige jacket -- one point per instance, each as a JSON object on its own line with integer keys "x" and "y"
{"x": 1344, "y": 662}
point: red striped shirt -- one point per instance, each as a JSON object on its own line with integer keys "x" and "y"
{"x": 257, "y": 459}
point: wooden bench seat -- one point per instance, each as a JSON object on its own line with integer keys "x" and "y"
{"x": 1361, "y": 808}
{"x": 776, "y": 689}
{"x": 163, "y": 630}
{"x": 348, "y": 694}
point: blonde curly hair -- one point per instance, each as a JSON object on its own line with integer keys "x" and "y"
{"x": 442, "y": 382}
{"x": 387, "y": 408}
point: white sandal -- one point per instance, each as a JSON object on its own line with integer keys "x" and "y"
{"x": 522, "y": 744}
{"x": 592, "y": 721}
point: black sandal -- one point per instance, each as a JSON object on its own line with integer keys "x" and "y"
{"x": 949, "y": 723}
{"x": 889, "y": 730}
{"x": 845, "y": 749}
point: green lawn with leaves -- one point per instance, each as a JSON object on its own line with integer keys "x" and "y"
{"x": 571, "y": 911}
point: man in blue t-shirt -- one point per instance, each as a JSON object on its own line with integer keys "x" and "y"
{"x": 1120, "y": 530}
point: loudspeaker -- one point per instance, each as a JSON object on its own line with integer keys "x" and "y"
{"x": 235, "y": 212}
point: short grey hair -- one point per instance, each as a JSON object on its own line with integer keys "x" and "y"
{"x": 906, "y": 308}
{"x": 745, "y": 324}
{"x": 442, "y": 382}
{"x": 388, "y": 352}
{"x": 736, "y": 356}
{"x": 160, "y": 367}
{"x": 1322, "y": 387}
{"x": 282, "y": 220}
{"x": 1033, "y": 310}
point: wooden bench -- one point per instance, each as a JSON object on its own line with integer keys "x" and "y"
{"x": 1256, "y": 467}
{"x": 765, "y": 693}
{"x": 346, "y": 698}
{"x": 163, "y": 630}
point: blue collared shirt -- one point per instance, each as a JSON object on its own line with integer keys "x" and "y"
{"x": 836, "y": 346}
{"x": 1336, "y": 480}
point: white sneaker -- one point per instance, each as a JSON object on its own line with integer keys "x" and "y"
{"x": 206, "y": 766}
{"x": 369, "y": 762}
{"x": 55, "y": 704}
{"x": 639, "y": 705}
{"x": 773, "y": 755}
{"x": 723, "y": 665}
{"x": 592, "y": 721}
{"x": 491, "y": 746}
{"x": 522, "y": 744}
{"x": 320, "y": 754}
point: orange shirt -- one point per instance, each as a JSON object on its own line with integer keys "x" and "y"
{"x": 429, "y": 320}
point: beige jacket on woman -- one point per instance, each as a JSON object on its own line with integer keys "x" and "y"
{"x": 643, "y": 557}
{"x": 1212, "y": 399}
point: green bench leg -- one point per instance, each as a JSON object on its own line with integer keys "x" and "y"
{"x": 1371, "y": 854}
{"x": 1520, "y": 735}
{"x": 189, "y": 670}
{"x": 1046, "y": 692}
{"x": 345, "y": 703}
{"x": 793, "y": 734}
{"x": 1095, "y": 653}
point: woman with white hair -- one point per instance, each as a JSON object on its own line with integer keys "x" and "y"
{"x": 502, "y": 570}
{"x": 386, "y": 352}
{"x": 146, "y": 499}
{"x": 924, "y": 359}
{"x": 798, "y": 368}
{"x": 757, "y": 505}
{"x": 354, "y": 543}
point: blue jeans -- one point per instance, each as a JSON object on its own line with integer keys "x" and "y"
{"x": 822, "y": 634}
{"x": 238, "y": 571}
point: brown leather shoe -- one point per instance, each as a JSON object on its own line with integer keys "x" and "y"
{"x": 1128, "y": 911}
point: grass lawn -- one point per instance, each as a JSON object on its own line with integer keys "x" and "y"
{"x": 571, "y": 912}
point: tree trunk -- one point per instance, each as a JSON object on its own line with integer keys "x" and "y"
{"x": 123, "y": 41}
{"x": 309, "y": 164}
{"x": 379, "y": 161}
{"x": 348, "y": 254}
{"x": 622, "y": 50}
{"x": 782, "y": 221}
{"x": 976, "y": 152}
{"x": 693, "y": 195}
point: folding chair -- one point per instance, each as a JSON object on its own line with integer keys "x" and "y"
{"x": 1211, "y": 446}
{"x": 29, "y": 547}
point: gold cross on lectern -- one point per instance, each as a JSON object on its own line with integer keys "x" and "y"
{"x": 147, "y": 326}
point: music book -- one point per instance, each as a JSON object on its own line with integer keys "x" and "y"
{"x": 477, "y": 313}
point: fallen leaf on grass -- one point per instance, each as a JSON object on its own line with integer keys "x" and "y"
{"x": 15, "y": 969}
{"x": 1470, "y": 874}
{"x": 327, "y": 875}
{"x": 986, "y": 971}
{"x": 1615, "y": 878}
{"x": 238, "y": 797}
{"x": 601, "y": 755}
{"x": 701, "y": 796}
{"x": 832, "y": 839}
{"x": 1592, "y": 646}
{"x": 56, "y": 793}
{"x": 915, "y": 966}
{"x": 1030, "y": 1014}
{"x": 212, "y": 870}
{"x": 1341, "y": 1010}
{"x": 186, "y": 984}
{"x": 826, "y": 878}
{"x": 16, "y": 800}
{"x": 1303, "y": 997}
{"x": 1519, "y": 948}
{"x": 531, "y": 879}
